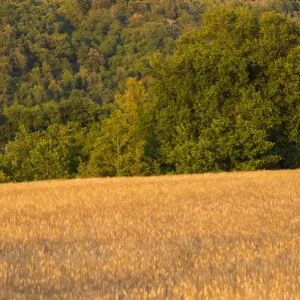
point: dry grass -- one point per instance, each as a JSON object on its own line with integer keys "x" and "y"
{"x": 220, "y": 236}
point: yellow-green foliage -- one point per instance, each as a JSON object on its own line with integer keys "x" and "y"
{"x": 226, "y": 101}
{"x": 213, "y": 236}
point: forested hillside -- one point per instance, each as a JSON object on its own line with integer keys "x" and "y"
{"x": 124, "y": 88}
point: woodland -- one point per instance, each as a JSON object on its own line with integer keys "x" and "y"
{"x": 97, "y": 88}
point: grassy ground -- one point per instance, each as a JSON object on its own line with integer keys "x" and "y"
{"x": 220, "y": 236}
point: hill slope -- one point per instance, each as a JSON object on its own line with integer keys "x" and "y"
{"x": 77, "y": 96}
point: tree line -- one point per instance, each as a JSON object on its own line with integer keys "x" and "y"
{"x": 127, "y": 88}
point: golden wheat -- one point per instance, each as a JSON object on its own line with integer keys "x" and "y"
{"x": 213, "y": 236}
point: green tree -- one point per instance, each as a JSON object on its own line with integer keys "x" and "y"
{"x": 84, "y": 5}
{"x": 120, "y": 149}
{"x": 53, "y": 153}
{"x": 225, "y": 98}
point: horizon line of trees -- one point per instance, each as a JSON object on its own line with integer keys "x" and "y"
{"x": 126, "y": 88}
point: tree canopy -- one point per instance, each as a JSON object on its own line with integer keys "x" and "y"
{"x": 123, "y": 88}
{"x": 228, "y": 99}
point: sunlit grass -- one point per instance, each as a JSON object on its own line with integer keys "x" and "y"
{"x": 221, "y": 236}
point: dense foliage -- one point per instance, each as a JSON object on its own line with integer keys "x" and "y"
{"x": 123, "y": 88}
{"x": 229, "y": 98}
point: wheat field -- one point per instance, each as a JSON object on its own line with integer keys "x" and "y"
{"x": 213, "y": 236}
